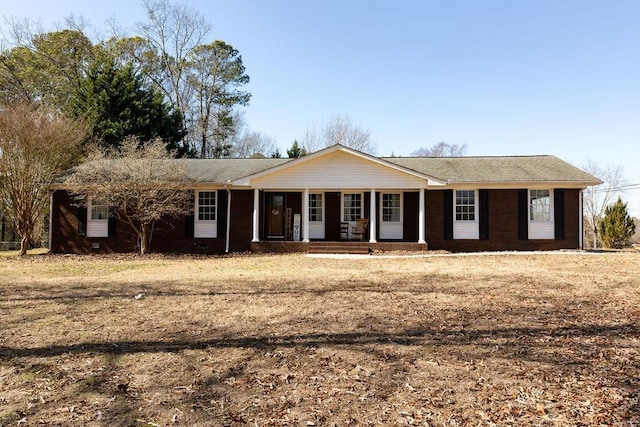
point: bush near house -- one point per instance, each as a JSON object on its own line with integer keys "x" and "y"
{"x": 617, "y": 227}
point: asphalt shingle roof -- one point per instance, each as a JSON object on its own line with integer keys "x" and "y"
{"x": 223, "y": 170}
{"x": 507, "y": 169}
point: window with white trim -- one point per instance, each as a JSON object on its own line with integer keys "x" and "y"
{"x": 97, "y": 218}
{"x": 465, "y": 205}
{"x": 316, "y": 209}
{"x": 99, "y": 210}
{"x": 206, "y": 206}
{"x": 540, "y": 205}
{"x": 391, "y": 207}
{"x": 351, "y": 207}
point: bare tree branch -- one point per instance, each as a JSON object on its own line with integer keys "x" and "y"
{"x": 254, "y": 144}
{"x": 340, "y": 129}
{"x": 35, "y": 145}
{"x": 441, "y": 149}
{"x": 141, "y": 185}
{"x": 597, "y": 198}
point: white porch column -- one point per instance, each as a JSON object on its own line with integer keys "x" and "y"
{"x": 421, "y": 217}
{"x": 305, "y": 216}
{"x": 372, "y": 217}
{"x": 256, "y": 217}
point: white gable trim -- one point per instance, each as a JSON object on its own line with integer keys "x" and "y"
{"x": 246, "y": 181}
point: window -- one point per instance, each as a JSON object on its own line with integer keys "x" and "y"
{"x": 206, "y": 206}
{"x": 99, "y": 210}
{"x": 391, "y": 207}
{"x": 315, "y": 207}
{"x": 539, "y": 205}
{"x": 465, "y": 205}
{"x": 352, "y": 207}
{"x": 98, "y": 219}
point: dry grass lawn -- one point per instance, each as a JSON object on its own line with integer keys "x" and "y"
{"x": 550, "y": 339}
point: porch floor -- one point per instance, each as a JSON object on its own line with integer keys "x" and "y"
{"x": 335, "y": 247}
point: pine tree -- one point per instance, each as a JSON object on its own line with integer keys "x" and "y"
{"x": 617, "y": 227}
{"x": 116, "y": 104}
{"x": 296, "y": 151}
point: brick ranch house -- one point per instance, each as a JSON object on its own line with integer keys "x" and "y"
{"x": 454, "y": 204}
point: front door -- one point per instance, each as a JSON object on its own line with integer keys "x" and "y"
{"x": 274, "y": 205}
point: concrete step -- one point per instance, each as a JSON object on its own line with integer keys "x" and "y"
{"x": 338, "y": 248}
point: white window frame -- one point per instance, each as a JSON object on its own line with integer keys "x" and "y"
{"x": 468, "y": 229}
{"x": 400, "y": 207}
{"x": 342, "y": 207}
{"x": 209, "y": 205}
{"x": 550, "y": 205}
{"x": 475, "y": 206}
{"x": 98, "y": 227}
{"x": 205, "y": 228}
{"x": 316, "y": 208}
{"x": 541, "y": 229}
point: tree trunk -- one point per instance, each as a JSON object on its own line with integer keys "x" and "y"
{"x": 24, "y": 242}
{"x": 24, "y": 245}
{"x": 144, "y": 241}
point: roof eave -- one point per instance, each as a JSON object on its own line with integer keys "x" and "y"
{"x": 524, "y": 184}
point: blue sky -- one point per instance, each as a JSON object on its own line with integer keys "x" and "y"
{"x": 505, "y": 77}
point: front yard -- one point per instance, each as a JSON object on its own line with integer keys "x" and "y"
{"x": 549, "y": 339}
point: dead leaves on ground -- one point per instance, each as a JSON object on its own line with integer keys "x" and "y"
{"x": 419, "y": 343}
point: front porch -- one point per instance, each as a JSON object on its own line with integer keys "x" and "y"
{"x": 335, "y": 247}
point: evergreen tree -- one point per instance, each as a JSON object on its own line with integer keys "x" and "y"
{"x": 617, "y": 227}
{"x": 114, "y": 102}
{"x": 296, "y": 151}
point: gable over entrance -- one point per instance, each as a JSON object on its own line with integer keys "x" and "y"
{"x": 339, "y": 167}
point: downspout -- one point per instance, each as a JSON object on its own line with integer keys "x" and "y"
{"x": 50, "y": 244}
{"x": 581, "y": 222}
{"x": 228, "y": 228}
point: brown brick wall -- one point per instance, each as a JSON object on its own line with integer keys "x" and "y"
{"x": 241, "y": 220}
{"x": 170, "y": 235}
{"x": 410, "y": 216}
{"x": 503, "y": 225}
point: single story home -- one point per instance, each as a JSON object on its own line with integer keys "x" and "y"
{"x": 339, "y": 195}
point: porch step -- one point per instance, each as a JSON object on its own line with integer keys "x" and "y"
{"x": 338, "y": 248}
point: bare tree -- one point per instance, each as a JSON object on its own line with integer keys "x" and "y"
{"x": 140, "y": 184}
{"x": 597, "y": 198}
{"x": 173, "y": 32}
{"x": 253, "y": 144}
{"x": 340, "y": 129}
{"x": 36, "y": 144}
{"x": 310, "y": 141}
{"x": 441, "y": 149}
{"x": 170, "y": 35}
